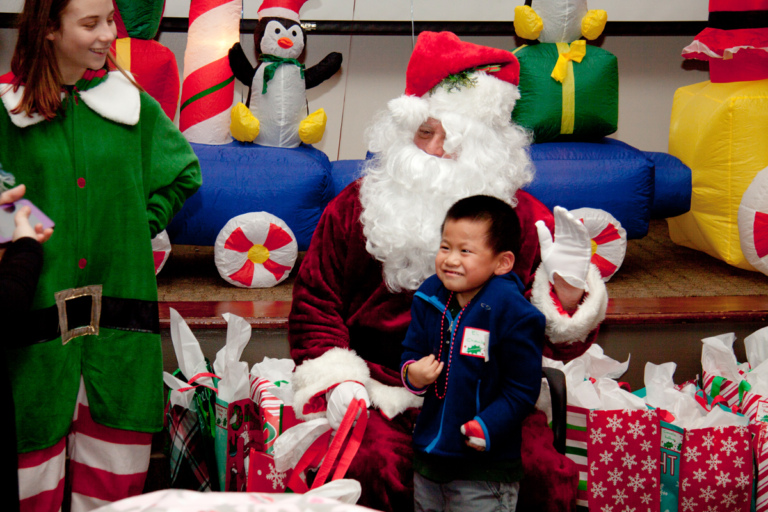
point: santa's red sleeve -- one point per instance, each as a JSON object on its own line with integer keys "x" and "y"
{"x": 344, "y": 324}
{"x": 567, "y": 335}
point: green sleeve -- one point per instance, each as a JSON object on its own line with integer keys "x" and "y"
{"x": 171, "y": 169}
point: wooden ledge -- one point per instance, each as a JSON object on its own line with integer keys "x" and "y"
{"x": 207, "y": 315}
{"x": 675, "y": 310}
{"x": 624, "y": 311}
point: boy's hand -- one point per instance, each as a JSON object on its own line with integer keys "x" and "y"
{"x": 474, "y": 435}
{"x": 424, "y": 372}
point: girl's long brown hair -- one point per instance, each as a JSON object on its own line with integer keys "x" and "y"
{"x": 34, "y": 63}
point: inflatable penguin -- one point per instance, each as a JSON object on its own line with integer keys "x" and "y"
{"x": 274, "y": 115}
{"x": 558, "y": 21}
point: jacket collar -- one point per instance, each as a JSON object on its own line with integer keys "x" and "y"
{"x": 112, "y": 96}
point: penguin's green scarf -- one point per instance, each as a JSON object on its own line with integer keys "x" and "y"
{"x": 275, "y": 62}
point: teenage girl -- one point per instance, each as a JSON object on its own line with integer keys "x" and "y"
{"x": 102, "y": 160}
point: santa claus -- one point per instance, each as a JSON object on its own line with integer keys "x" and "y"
{"x": 449, "y": 136}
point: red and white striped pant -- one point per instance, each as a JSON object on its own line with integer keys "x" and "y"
{"x": 106, "y": 465}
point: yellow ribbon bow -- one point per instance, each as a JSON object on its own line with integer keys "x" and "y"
{"x": 576, "y": 52}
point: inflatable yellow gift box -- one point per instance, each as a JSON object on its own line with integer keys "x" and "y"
{"x": 720, "y": 130}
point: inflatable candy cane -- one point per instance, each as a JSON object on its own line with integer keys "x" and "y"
{"x": 208, "y": 86}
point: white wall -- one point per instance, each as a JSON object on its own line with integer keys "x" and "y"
{"x": 448, "y": 10}
{"x": 650, "y": 70}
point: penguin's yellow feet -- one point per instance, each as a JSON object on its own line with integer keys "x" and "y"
{"x": 593, "y": 24}
{"x": 312, "y": 128}
{"x": 243, "y": 125}
{"x": 528, "y": 24}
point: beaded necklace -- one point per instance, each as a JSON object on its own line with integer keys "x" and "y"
{"x": 450, "y": 348}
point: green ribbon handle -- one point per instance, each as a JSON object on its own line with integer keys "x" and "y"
{"x": 744, "y": 386}
{"x": 276, "y": 62}
{"x": 716, "y": 383}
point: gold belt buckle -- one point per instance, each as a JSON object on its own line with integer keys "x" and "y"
{"x": 94, "y": 291}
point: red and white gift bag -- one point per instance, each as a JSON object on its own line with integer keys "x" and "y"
{"x": 761, "y": 462}
{"x": 716, "y": 470}
{"x": 576, "y": 450}
{"x": 624, "y": 448}
{"x": 732, "y": 392}
{"x": 276, "y": 417}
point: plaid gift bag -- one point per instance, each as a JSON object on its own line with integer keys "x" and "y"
{"x": 191, "y": 437}
{"x": 716, "y": 470}
{"x": 624, "y": 460}
{"x": 189, "y": 457}
{"x": 576, "y": 449}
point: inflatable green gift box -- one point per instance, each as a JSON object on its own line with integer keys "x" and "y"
{"x": 568, "y": 91}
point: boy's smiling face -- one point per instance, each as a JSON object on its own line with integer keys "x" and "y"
{"x": 465, "y": 261}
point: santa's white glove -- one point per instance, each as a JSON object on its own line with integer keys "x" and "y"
{"x": 339, "y": 399}
{"x": 570, "y": 254}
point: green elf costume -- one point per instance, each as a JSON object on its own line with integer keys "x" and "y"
{"x": 111, "y": 170}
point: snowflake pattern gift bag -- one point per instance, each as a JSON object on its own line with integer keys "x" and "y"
{"x": 624, "y": 449}
{"x": 716, "y": 470}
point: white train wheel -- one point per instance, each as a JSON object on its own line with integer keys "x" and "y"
{"x": 609, "y": 239}
{"x": 255, "y": 250}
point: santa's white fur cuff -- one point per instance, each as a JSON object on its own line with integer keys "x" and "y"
{"x": 591, "y": 312}
{"x": 338, "y": 365}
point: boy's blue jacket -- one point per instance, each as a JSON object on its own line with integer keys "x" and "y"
{"x": 500, "y": 392}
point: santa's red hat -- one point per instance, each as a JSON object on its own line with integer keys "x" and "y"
{"x": 735, "y": 41}
{"x": 440, "y": 55}
{"x": 288, "y": 9}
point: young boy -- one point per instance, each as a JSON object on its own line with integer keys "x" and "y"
{"x": 473, "y": 349}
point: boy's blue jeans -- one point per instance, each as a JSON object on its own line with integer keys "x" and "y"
{"x": 464, "y": 495}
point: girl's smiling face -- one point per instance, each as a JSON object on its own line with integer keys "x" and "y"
{"x": 82, "y": 41}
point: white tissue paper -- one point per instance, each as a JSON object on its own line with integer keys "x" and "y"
{"x": 187, "y": 348}
{"x": 612, "y": 397}
{"x": 717, "y": 357}
{"x": 294, "y": 442}
{"x": 661, "y": 394}
{"x": 279, "y": 372}
{"x": 756, "y": 345}
{"x": 182, "y": 398}
{"x": 581, "y": 391}
{"x": 344, "y": 490}
{"x": 601, "y": 366}
{"x": 234, "y": 384}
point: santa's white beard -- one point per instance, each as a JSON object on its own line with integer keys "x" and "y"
{"x": 406, "y": 193}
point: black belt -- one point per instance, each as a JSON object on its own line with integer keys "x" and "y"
{"x": 730, "y": 20}
{"x": 81, "y": 311}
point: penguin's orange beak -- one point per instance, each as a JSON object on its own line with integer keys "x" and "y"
{"x": 284, "y": 42}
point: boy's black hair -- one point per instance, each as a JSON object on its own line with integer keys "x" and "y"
{"x": 504, "y": 225}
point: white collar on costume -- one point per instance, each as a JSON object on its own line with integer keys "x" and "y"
{"x": 116, "y": 99}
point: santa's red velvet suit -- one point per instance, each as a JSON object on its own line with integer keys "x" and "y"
{"x": 347, "y": 325}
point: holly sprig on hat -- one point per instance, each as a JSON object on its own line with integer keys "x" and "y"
{"x": 464, "y": 79}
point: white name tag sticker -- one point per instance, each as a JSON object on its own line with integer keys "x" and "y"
{"x": 475, "y": 343}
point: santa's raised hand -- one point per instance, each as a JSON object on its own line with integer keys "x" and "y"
{"x": 569, "y": 255}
